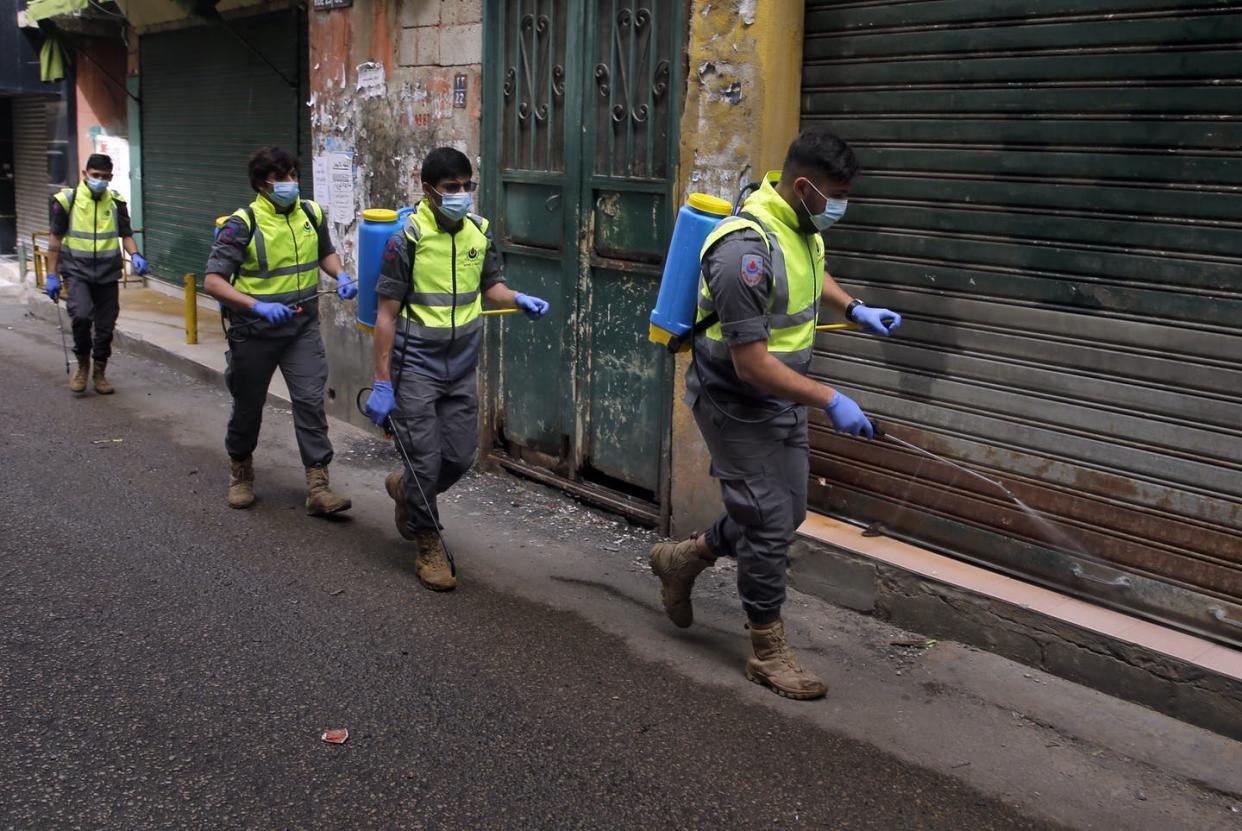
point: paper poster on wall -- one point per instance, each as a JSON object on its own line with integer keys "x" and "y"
{"x": 321, "y": 182}
{"x": 341, "y": 186}
{"x": 118, "y": 148}
{"x": 371, "y": 79}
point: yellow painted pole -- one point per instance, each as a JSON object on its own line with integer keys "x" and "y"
{"x": 837, "y": 327}
{"x": 191, "y": 309}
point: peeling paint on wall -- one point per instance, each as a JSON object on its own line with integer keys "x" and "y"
{"x": 387, "y": 114}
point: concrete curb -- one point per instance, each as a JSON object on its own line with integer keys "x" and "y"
{"x": 1169, "y": 685}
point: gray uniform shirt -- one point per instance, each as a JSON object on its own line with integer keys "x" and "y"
{"x": 228, "y": 251}
{"x": 740, "y": 295}
{"x": 104, "y": 268}
{"x": 447, "y": 360}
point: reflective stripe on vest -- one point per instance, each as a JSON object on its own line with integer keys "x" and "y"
{"x": 282, "y": 258}
{"x": 446, "y": 275}
{"x": 797, "y": 278}
{"x": 92, "y": 223}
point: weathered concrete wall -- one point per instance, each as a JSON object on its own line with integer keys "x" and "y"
{"x": 101, "y": 100}
{"x": 421, "y": 46}
{"x": 741, "y": 111}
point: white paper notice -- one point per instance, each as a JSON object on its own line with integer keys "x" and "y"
{"x": 341, "y": 174}
{"x": 371, "y": 79}
{"x": 322, "y": 183}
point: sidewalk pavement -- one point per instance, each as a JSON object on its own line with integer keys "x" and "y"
{"x": 1074, "y": 754}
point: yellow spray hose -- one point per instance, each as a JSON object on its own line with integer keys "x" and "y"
{"x": 490, "y": 312}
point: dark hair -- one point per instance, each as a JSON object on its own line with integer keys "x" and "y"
{"x": 820, "y": 150}
{"x": 98, "y": 161}
{"x": 268, "y": 162}
{"x": 444, "y": 163}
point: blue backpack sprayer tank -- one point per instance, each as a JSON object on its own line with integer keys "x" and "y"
{"x": 377, "y": 225}
{"x": 677, "y": 304}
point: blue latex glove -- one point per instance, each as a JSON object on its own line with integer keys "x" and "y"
{"x": 533, "y": 306}
{"x": 346, "y": 288}
{"x": 273, "y": 313}
{"x": 140, "y": 263}
{"x": 877, "y": 321}
{"x": 51, "y": 285}
{"x": 380, "y": 403}
{"x": 848, "y": 417}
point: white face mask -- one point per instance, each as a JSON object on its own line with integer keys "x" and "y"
{"x": 834, "y": 209}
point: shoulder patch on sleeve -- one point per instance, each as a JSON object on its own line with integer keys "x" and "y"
{"x": 752, "y": 269}
{"x": 392, "y": 250}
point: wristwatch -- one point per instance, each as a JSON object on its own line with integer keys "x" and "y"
{"x": 849, "y": 309}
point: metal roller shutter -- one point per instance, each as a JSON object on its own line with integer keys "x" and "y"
{"x": 30, "y": 144}
{"x": 1051, "y": 195}
{"x": 208, "y": 101}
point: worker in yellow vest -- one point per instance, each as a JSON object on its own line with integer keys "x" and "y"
{"x": 264, "y": 270}
{"x": 762, "y": 284}
{"x": 89, "y": 226}
{"x": 434, "y": 276}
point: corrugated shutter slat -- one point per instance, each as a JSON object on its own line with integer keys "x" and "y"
{"x": 1050, "y": 196}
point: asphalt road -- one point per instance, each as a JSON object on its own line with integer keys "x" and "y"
{"x": 168, "y": 662}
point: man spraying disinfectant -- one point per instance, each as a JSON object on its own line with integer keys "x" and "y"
{"x": 434, "y": 275}
{"x": 89, "y": 227}
{"x": 762, "y": 282}
{"x": 264, "y": 269}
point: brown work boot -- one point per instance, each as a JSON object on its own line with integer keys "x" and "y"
{"x": 101, "y": 383}
{"x": 78, "y": 382}
{"x": 320, "y": 500}
{"x": 677, "y": 564}
{"x": 396, "y": 489}
{"x": 773, "y": 665}
{"x": 432, "y": 565}
{"x": 241, "y": 483}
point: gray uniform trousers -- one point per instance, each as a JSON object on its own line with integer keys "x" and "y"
{"x": 303, "y": 362}
{"x": 437, "y": 423}
{"x": 763, "y": 471}
{"x": 92, "y": 305}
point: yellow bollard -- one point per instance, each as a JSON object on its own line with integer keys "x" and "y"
{"x": 191, "y": 309}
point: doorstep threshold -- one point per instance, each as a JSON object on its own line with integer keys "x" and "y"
{"x": 1105, "y": 622}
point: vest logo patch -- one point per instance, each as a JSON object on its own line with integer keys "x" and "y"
{"x": 390, "y": 251}
{"x": 752, "y": 269}
{"x": 473, "y": 254}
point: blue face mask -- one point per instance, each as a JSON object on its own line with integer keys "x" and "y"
{"x": 834, "y": 209}
{"x": 455, "y": 205}
{"x": 96, "y": 185}
{"x": 284, "y": 194}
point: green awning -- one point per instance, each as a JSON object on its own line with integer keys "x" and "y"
{"x": 42, "y": 9}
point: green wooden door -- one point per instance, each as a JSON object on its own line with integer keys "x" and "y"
{"x": 580, "y": 123}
